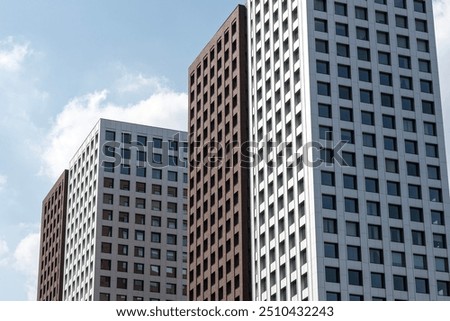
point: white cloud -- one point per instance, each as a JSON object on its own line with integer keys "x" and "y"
{"x": 26, "y": 258}
{"x": 163, "y": 108}
{"x": 4, "y": 250}
{"x": 3, "y": 181}
{"x": 12, "y": 54}
{"x": 442, "y": 17}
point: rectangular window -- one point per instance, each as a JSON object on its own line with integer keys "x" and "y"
{"x": 376, "y": 256}
{"x": 398, "y": 259}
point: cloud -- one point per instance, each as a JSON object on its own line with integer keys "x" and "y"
{"x": 26, "y": 258}
{"x": 4, "y": 251}
{"x": 163, "y": 107}
{"x": 12, "y": 54}
{"x": 442, "y": 16}
{"x": 3, "y": 181}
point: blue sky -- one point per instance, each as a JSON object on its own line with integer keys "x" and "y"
{"x": 63, "y": 64}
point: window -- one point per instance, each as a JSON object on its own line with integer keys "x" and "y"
{"x": 384, "y": 58}
{"x": 421, "y": 25}
{"x": 422, "y": 285}
{"x": 352, "y": 228}
{"x": 123, "y": 233}
{"x": 322, "y": 67}
{"x": 414, "y": 191}
{"x": 139, "y": 219}
{"x": 391, "y": 165}
{"x": 368, "y": 118}
{"x": 426, "y": 86}
{"x": 326, "y": 132}
{"x": 122, "y": 249}
{"x": 340, "y": 9}
{"x": 420, "y": 262}
{"x": 154, "y": 287}
{"x": 344, "y": 92}
{"x": 403, "y": 42}
{"x": 432, "y": 150}
{"x": 323, "y": 88}
{"x": 376, "y": 256}
{"x": 439, "y": 241}
{"x": 418, "y": 238}
{"x": 387, "y": 100}
{"x": 110, "y": 135}
{"x": 346, "y": 114}
{"x": 406, "y": 82}
{"x": 328, "y": 202}
{"x": 348, "y": 159}
{"x": 409, "y": 125}
{"x": 156, "y": 173}
{"x": 332, "y": 274}
{"x": 124, "y": 201}
{"x": 350, "y": 181}
{"x": 370, "y": 162}
{"x": 363, "y": 54}
{"x": 372, "y": 185}
{"x": 401, "y": 21}
{"x": 393, "y": 188}
{"x": 369, "y": 140}
{"x": 343, "y": 50}
{"x": 324, "y": 111}
{"x": 321, "y": 25}
{"x": 400, "y": 283}
{"x": 155, "y": 254}
{"x": 365, "y": 96}
{"x": 361, "y": 13}
{"x": 429, "y": 128}
{"x": 344, "y": 71}
{"x": 353, "y": 253}
{"x": 156, "y": 205}
{"x": 139, "y": 235}
{"x": 108, "y": 167}
{"x": 413, "y": 169}
{"x": 443, "y": 288}
{"x": 441, "y": 264}
{"x": 156, "y": 237}
{"x": 321, "y": 46}
{"x": 395, "y": 211}
{"x": 328, "y": 178}
{"x": 435, "y": 194}
{"x": 365, "y": 75}
{"x": 385, "y": 79}
{"x": 377, "y": 280}
{"x": 400, "y": 4}
{"x": 355, "y": 277}
{"x": 422, "y": 45}
{"x": 157, "y": 158}
{"x": 424, "y": 66}
{"x": 389, "y": 121}
{"x": 124, "y": 217}
{"x": 410, "y": 147}
{"x": 408, "y": 103}
{"x": 155, "y": 270}
{"x": 383, "y": 38}
{"x": 331, "y": 250}
{"x": 398, "y": 259}
{"x": 419, "y": 6}
{"x": 122, "y": 266}
{"x": 171, "y": 255}
{"x": 342, "y": 29}
{"x": 347, "y": 136}
{"x": 333, "y": 296}
{"x": 362, "y": 33}
{"x": 171, "y": 239}
{"x": 381, "y": 17}
{"x": 390, "y": 143}
{"x": 330, "y": 225}
{"x": 373, "y": 208}
{"x": 427, "y": 107}
{"x": 125, "y": 169}
{"x": 374, "y": 232}
{"x": 172, "y": 176}
{"x": 416, "y": 214}
{"x": 320, "y": 5}
{"x": 437, "y": 218}
{"x": 396, "y": 235}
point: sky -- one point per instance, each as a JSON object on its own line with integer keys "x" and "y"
{"x": 65, "y": 64}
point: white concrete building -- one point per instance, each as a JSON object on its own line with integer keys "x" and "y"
{"x": 126, "y": 218}
{"x": 369, "y": 220}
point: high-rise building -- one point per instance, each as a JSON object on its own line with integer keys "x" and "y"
{"x": 219, "y": 213}
{"x": 53, "y": 228}
{"x": 126, "y": 227}
{"x": 367, "y": 219}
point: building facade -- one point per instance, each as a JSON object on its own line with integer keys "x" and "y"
{"x": 53, "y": 228}
{"x": 126, "y": 231}
{"x": 349, "y": 190}
{"x": 219, "y": 214}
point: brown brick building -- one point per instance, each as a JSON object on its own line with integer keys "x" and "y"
{"x": 53, "y": 226}
{"x": 219, "y": 212}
